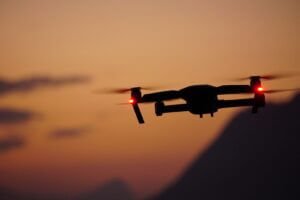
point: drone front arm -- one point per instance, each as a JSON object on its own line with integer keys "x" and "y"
{"x": 234, "y": 89}
{"x": 161, "y": 96}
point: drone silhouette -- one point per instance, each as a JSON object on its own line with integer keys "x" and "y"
{"x": 202, "y": 99}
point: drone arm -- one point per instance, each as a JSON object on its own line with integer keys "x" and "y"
{"x": 161, "y": 96}
{"x": 234, "y": 89}
{"x": 235, "y": 103}
{"x": 138, "y": 113}
{"x": 160, "y": 108}
{"x": 175, "y": 108}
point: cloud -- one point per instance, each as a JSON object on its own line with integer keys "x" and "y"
{"x": 33, "y": 83}
{"x": 12, "y": 116}
{"x": 65, "y": 133}
{"x": 10, "y": 143}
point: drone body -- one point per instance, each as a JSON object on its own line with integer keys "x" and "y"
{"x": 200, "y": 99}
{"x": 203, "y": 99}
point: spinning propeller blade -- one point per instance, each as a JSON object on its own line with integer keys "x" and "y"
{"x": 136, "y": 97}
{"x": 281, "y": 90}
{"x": 122, "y": 90}
{"x": 275, "y": 91}
{"x": 270, "y": 77}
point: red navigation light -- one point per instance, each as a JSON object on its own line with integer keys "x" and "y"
{"x": 131, "y": 101}
{"x": 260, "y": 89}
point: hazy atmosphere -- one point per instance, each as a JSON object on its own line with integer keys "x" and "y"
{"x": 58, "y": 137}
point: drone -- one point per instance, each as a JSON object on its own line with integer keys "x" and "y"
{"x": 202, "y": 99}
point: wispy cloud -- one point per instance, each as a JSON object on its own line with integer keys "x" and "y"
{"x": 64, "y": 133}
{"x": 12, "y": 116}
{"x": 29, "y": 84}
{"x": 10, "y": 143}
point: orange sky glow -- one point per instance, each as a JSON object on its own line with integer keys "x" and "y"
{"x": 124, "y": 43}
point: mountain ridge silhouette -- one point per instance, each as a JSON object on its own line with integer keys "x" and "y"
{"x": 256, "y": 157}
{"x": 115, "y": 189}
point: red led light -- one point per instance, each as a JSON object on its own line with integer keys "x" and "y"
{"x": 131, "y": 101}
{"x": 260, "y": 89}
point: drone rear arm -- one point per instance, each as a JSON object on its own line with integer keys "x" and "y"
{"x": 175, "y": 108}
{"x": 235, "y": 103}
{"x": 161, "y": 108}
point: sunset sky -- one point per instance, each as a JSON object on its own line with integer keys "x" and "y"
{"x": 76, "y": 140}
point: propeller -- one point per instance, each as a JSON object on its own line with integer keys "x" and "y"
{"x": 122, "y": 90}
{"x": 123, "y": 104}
{"x": 128, "y": 103}
{"x": 275, "y": 91}
{"x": 281, "y": 90}
{"x": 270, "y": 77}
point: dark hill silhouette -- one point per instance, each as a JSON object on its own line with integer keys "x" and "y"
{"x": 113, "y": 190}
{"x": 9, "y": 194}
{"x": 256, "y": 157}
{"x": 6, "y": 194}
